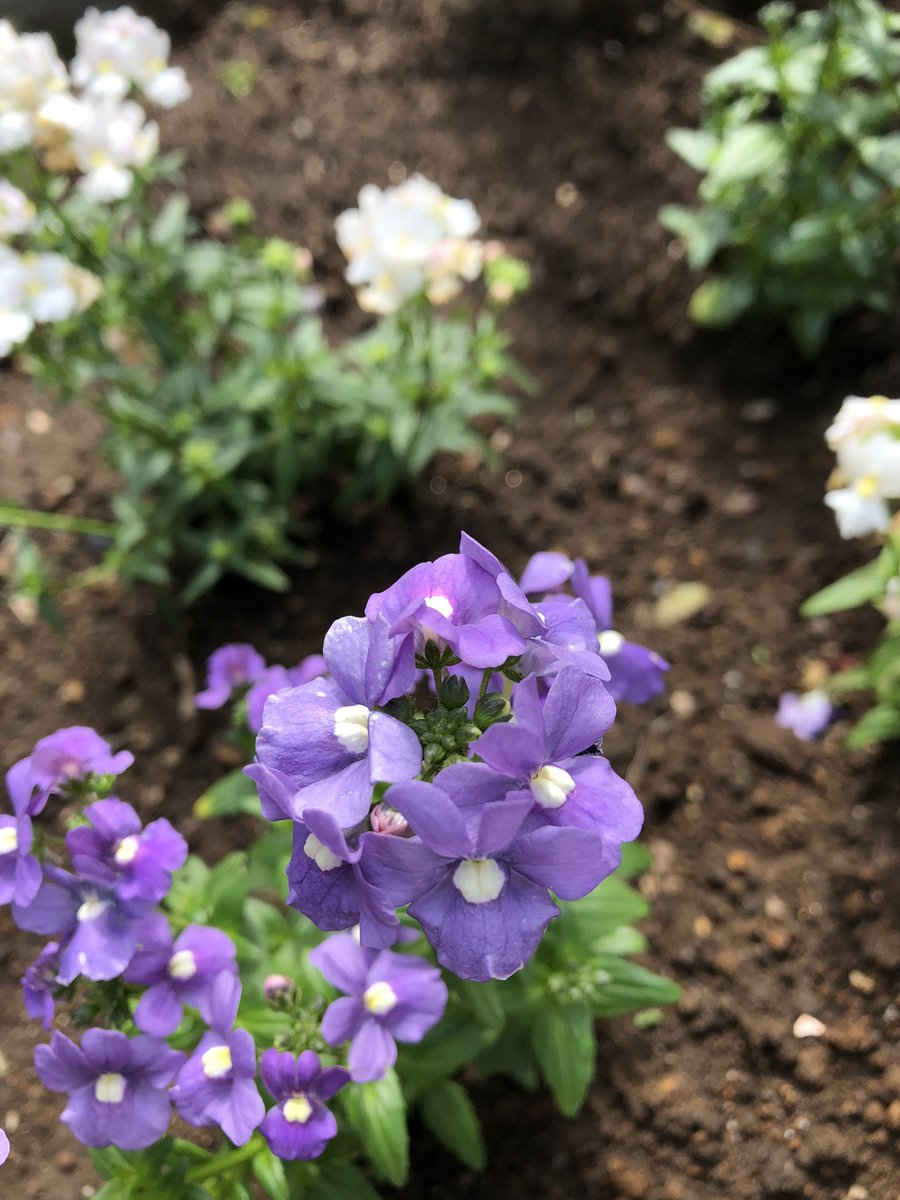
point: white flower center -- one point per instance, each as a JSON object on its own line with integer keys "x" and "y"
{"x": 9, "y": 839}
{"x": 321, "y": 855}
{"x": 610, "y": 642}
{"x": 551, "y": 786}
{"x": 297, "y": 1110}
{"x": 440, "y": 604}
{"x": 216, "y": 1062}
{"x": 479, "y": 880}
{"x": 183, "y": 965}
{"x": 110, "y": 1088}
{"x": 379, "y": 998}
{"x": 126, "y": 851}
{"x": 351, "y": 727}
{"x": 92, "y": 908}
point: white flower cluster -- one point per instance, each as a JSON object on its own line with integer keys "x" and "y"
{"x": 83, "y": 119}
{"x": 409, "y": 239}
{"x": 37, "y": 288}
{"x": 118, "y": 50}
{"x": 865, "y": 436}
{"x": 30, "y": 73}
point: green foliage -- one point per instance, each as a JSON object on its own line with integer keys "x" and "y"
{"x": 800, "y": 200}
{"x": 877, "y": 583}
{"x": 226, "y": 411}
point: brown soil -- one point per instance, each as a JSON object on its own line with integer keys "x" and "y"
{"x": 662, "y": 455}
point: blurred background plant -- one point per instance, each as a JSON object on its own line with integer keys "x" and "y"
{"x": 224, "y": 406}
{"x": 800, "y": 156}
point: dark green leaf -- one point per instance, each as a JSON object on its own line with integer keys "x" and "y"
{"x": 377, "y": 1112}
{"x": 562, "y": 1038}
{"x": 450, "y": 1115}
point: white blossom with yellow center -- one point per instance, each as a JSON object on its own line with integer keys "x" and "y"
{"x": 216, "y": 1062}
{"x": 379, "y": 998}
{"x": 297, "y": 1110}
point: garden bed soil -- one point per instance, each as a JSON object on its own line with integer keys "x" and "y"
{"x": 661, "y": 454}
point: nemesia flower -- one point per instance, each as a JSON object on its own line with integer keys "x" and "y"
{"x": 39, "y": 984}
{"x": 35, "y": 288}
{"x": 143, "y": 860}
{"x": 30, "y": 71}
{"x": 20, "y": 871}
{"x": 857, "y": 513}
{"x": 276, "y": 679}
{"x": 116, "y": 1085}
{"x": 807, "y": 716}
{"x": 117, "y": 49}
{"x": 389, "y": 998}
{"x": 108, "y": 137}
{"x": 636, "y": 674}
{"x": 227, "y": 669}
{"x": 408, "y": 239}
{"x": 453, "y": 601}
{"x": 542, "y": 751}
{"x": 176, "y": 973}
{"x": 476, "y": 876}
{"x": 69, "y": 754}
{"x": 299, "y": 1126}
{"x": 328, "y": 738}
{"x": 17, "y": 213}
{"x": 216, "y": 1086}
{"x": 93, "y": 924}
{"x": 328, "y": 884}
{"x": 4, "y": 1147}
{"x": 865, "y": 437}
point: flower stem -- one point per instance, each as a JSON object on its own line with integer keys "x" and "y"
{"x": 30, "y": 518}
{"x": 222, "y": 1163}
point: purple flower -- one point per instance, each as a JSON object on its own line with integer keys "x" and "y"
{"x": 216, "y": 1086}
{"x": 116, "y": 1085}
{"x": 39, "y": 984}
{"x": 546, "y": 571}
{"x": 276, "y": 679}
{"x": 542, "y": 751}
{"x": 227, "y": 669}
{"x": 94, "y": 925}
{"x": 4, "y": 1147}
{"x": 328, "y": 886}
{"x": 177, "y": 973}
{"x": 20, "y": 871}
{"x": 67, "y": 755}
{"x": 326, "y": 741}
{"x": 142, "y": 860}
{"x": 389, "y": 998}
{"x": 476, "y": 877}
{"x": 300, "y": 1126}
{"x": 807, "y": 716}
{"x": 453, "y": 601}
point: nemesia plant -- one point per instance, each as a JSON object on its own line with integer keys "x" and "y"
{"x": 802, "y": 235}
{"x": 437, "y": 885}
{"x": 864, "y": 492}
{"x": 223, "y": 404}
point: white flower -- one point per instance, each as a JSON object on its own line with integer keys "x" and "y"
{"x": 860, "y": 416}
{"x": 30, "y": 72}
{"x": 857, "y": 514}
{"x": 16, "y": 211}
{"x": 36, "y": 288}
{"x": 408, "y": 239}
{"x": 117, "y": 50}
{"x": 107, "y": 137}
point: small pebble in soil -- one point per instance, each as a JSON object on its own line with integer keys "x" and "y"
{"x": 808, "y": 1026}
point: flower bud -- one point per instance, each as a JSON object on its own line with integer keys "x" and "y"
{"x": 385, "y": 819}
{"x": 278, "y": 990}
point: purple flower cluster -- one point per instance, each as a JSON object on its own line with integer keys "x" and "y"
{"x": 238, "y": 670}
{"x": 471, "y": 810}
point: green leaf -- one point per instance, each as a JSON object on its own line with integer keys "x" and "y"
{"x": 269, "y": 1172}
{"x": 340, "y": 1181}
{"x": 854, "y": 589}
{"x": 695, "y": 146}
{"x": 748, "y": 151}
{"x": 880, "y": 724}
{"x": 630, "y": 986}
{"x": 562, "y": 1038}
{"x": 377, "y": 1112}
{"x": 636, "y": 860}
{"x": 704, "y": 232}
{"x": 882, "y": 154}
{"x": 721, "y": 300}
{"x": 450, "y": 1115}
{"x": 232, "y": 794}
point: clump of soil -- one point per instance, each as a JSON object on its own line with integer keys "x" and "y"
{"x": 662, "y": 455}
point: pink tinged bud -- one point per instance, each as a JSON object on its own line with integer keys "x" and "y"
{"x": 277, "y": 986}
{"x": 385, "y": 819}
